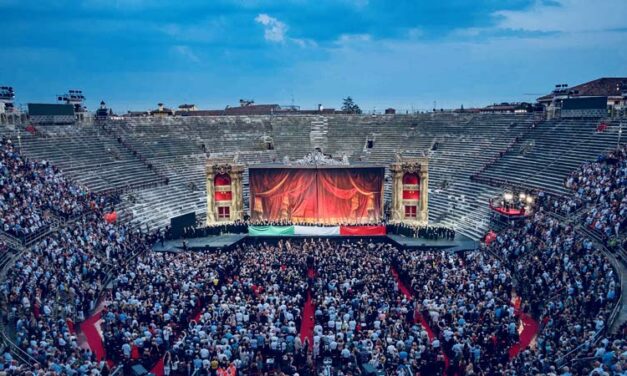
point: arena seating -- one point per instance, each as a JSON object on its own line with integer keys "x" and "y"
{"x": 464, "y": 145}
{"x": 88, "y": 266}
{"x": 459, "y": 204}
{"x": 549, "y": 152}
{"x": 90, "y": 156}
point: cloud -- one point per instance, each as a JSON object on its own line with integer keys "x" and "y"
{"x": 273, "y": 29}
{"x": 566, "y": 16}
{"x": 186, "y": 52}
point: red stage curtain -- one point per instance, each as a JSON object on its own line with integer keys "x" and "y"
{"x": 316, "y": 195}
{"x": 283, "y": 194}
{"x": 349, "y": 196}
{"x": 362, "y": 230}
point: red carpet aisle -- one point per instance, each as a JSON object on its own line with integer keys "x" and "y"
{"x": 158, "y": 368}
{"x": 307, "y": 324}
{"x": 94, "y": 339}
{"x": 418, "y": 316}
{"x": 528, "y": 333}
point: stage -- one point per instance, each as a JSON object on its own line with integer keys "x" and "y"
{"x": 200, "y": 244}
{"x": 460, "y": 243}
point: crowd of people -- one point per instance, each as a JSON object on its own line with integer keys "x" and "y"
{"x": 467, "y": 300}
{"x": 601, "y": 186}
{"x": 421, "y": 231}
{"x": 363, "y": 322}
{"x": 30, "y": 188}
{"x": 246, "y": 310}
{"x": 154, "y": 297}
{"x": 252, "y": 320}
{"x": 241, "y": 227}
{"x": 568, "y": 284}
{"x": 57, "y": 282}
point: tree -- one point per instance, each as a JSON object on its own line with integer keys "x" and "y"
{"x": 350, "y": 107}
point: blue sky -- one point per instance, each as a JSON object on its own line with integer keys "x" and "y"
{"x": 403, "y": 54}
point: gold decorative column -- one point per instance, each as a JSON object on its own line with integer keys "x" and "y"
{"x": 399, "y": 168}
{"x": 237, "y": 199}
{"x": 234, "y": 171}
{"x": 211, "y": 213}
{"x": 423, "y": 213}
{"x": 397, "y": 212}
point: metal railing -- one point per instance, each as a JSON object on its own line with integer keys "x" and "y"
{"x": 21, "y": 355}
{"x": 26, "y": 240}
{"x": 613, "y": 314}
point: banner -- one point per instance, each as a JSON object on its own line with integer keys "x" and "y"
{"x": 270, "y": 230}
{"x": 317, "y": 230}
{"x": 362, "y": 230}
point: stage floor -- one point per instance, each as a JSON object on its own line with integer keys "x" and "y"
{"x": 460, "y": 243}
{"x": 209, "y": 242}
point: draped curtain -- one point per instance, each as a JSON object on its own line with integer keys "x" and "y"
{"x": 317, "y": 195}
{"x": 283, "y": 194}
{"x": 349, "y": 196}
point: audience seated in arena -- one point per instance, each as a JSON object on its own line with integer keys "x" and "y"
{"x": 248, "y": 309}
{"x": 601, "y": 186}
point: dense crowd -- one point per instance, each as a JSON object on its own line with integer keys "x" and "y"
{"x": 601, "y": 186}
{"x": 57, "y": 282}
{"x": 567, "y": 282}
{"x": 466, "y": 298}
{"x": 154, "y": 297}
{"x": 421, "y": 231}
{"x": 251, "y": 322}
{"x": 29, "y": 188}
{"x": 242, "y": 311}
{"x": 362, "y": 319}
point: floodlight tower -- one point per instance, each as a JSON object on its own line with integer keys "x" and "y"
{"x": 77, "y": 100}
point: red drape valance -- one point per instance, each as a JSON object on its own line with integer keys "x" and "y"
{"x": 223, "y": 196}
{"x": 410, "y": 179}
{"x": 221, "y": 180}
{"x": 411, "y": 195}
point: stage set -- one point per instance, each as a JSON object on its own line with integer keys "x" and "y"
{"x": 317, "y": 189}
{"x": 317, "y": 196}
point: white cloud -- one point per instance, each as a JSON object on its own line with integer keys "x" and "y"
{"x": 186, "y": 52}
{"x": 566, "y": 16}
{"x": 273, "y": 29}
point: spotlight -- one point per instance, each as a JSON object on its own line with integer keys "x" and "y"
{"x": 529, "y": 199}
{"x": 522, "y": 196}
{"x": 508, "y": 196}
